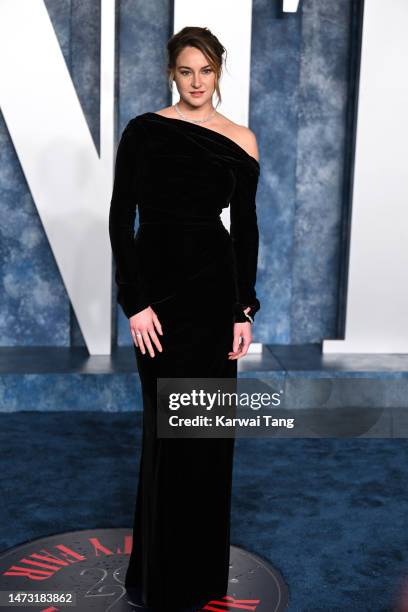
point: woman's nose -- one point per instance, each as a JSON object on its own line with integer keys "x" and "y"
{"x": 196, "y": 81}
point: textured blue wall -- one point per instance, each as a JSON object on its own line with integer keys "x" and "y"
{"x": 299, "y": 93}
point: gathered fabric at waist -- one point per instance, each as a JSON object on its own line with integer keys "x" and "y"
{"x": 152, "y": 216}
{"x": 175, "y": 250}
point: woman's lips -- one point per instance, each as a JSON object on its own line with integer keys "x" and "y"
{"x": 196, "y": 93}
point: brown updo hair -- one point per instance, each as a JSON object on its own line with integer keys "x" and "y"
{"x": 202, "y": 39}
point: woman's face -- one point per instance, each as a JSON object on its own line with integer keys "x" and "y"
{"x": 194, "y": 74}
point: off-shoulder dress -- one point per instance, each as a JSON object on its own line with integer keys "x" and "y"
{"x": 198, "y": 277}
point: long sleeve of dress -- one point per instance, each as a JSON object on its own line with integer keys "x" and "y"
{"x": 245, "y": 239}
{"x": 122, "y": 215}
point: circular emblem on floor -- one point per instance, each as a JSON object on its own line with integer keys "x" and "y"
{"x": 85, "y": 571}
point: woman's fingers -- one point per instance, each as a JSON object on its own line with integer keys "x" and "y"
{"x": 157, "y": 323}
{"x": 234, "y": 354}
{"x": 155, "y": 339}
{"x": 146, "y": 340}
{"x": 237, "y": 340}
{"x": 242, "y": 340}
{"x": 142, "y": 329}
{"x": 139, "y": 341}
{"x": 143, "y": 341}
{"x": 134, "y": 336}
{"x": 246, "y": 341}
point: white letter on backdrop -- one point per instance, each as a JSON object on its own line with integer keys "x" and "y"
{"x": 70, "y": 184}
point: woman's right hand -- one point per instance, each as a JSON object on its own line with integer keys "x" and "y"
{"x": 144, "y": 322}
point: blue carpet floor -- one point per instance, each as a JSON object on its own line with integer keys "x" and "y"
{"x": 330, "y": 514}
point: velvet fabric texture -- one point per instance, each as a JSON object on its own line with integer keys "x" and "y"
{"x": 198, "y": 278}
{"x": 177, "y": 171}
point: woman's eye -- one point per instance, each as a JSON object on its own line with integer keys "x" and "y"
{"x": 206, "y": 70}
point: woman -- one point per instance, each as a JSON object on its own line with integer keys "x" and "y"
{"x": 187, "y": 286}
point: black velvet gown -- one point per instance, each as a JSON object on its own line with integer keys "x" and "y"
{"x": 198, "y": 278}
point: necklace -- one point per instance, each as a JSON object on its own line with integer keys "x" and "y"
{"x": 192, "y": 120}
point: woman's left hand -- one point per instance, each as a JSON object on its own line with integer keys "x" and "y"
{"x": 241, "y": 331}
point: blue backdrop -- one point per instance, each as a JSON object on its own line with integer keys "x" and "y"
{"x": 302, "y": 89}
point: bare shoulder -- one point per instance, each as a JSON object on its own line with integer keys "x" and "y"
{"x": 242, "y": 135}
{"x": 248, "y": 141}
